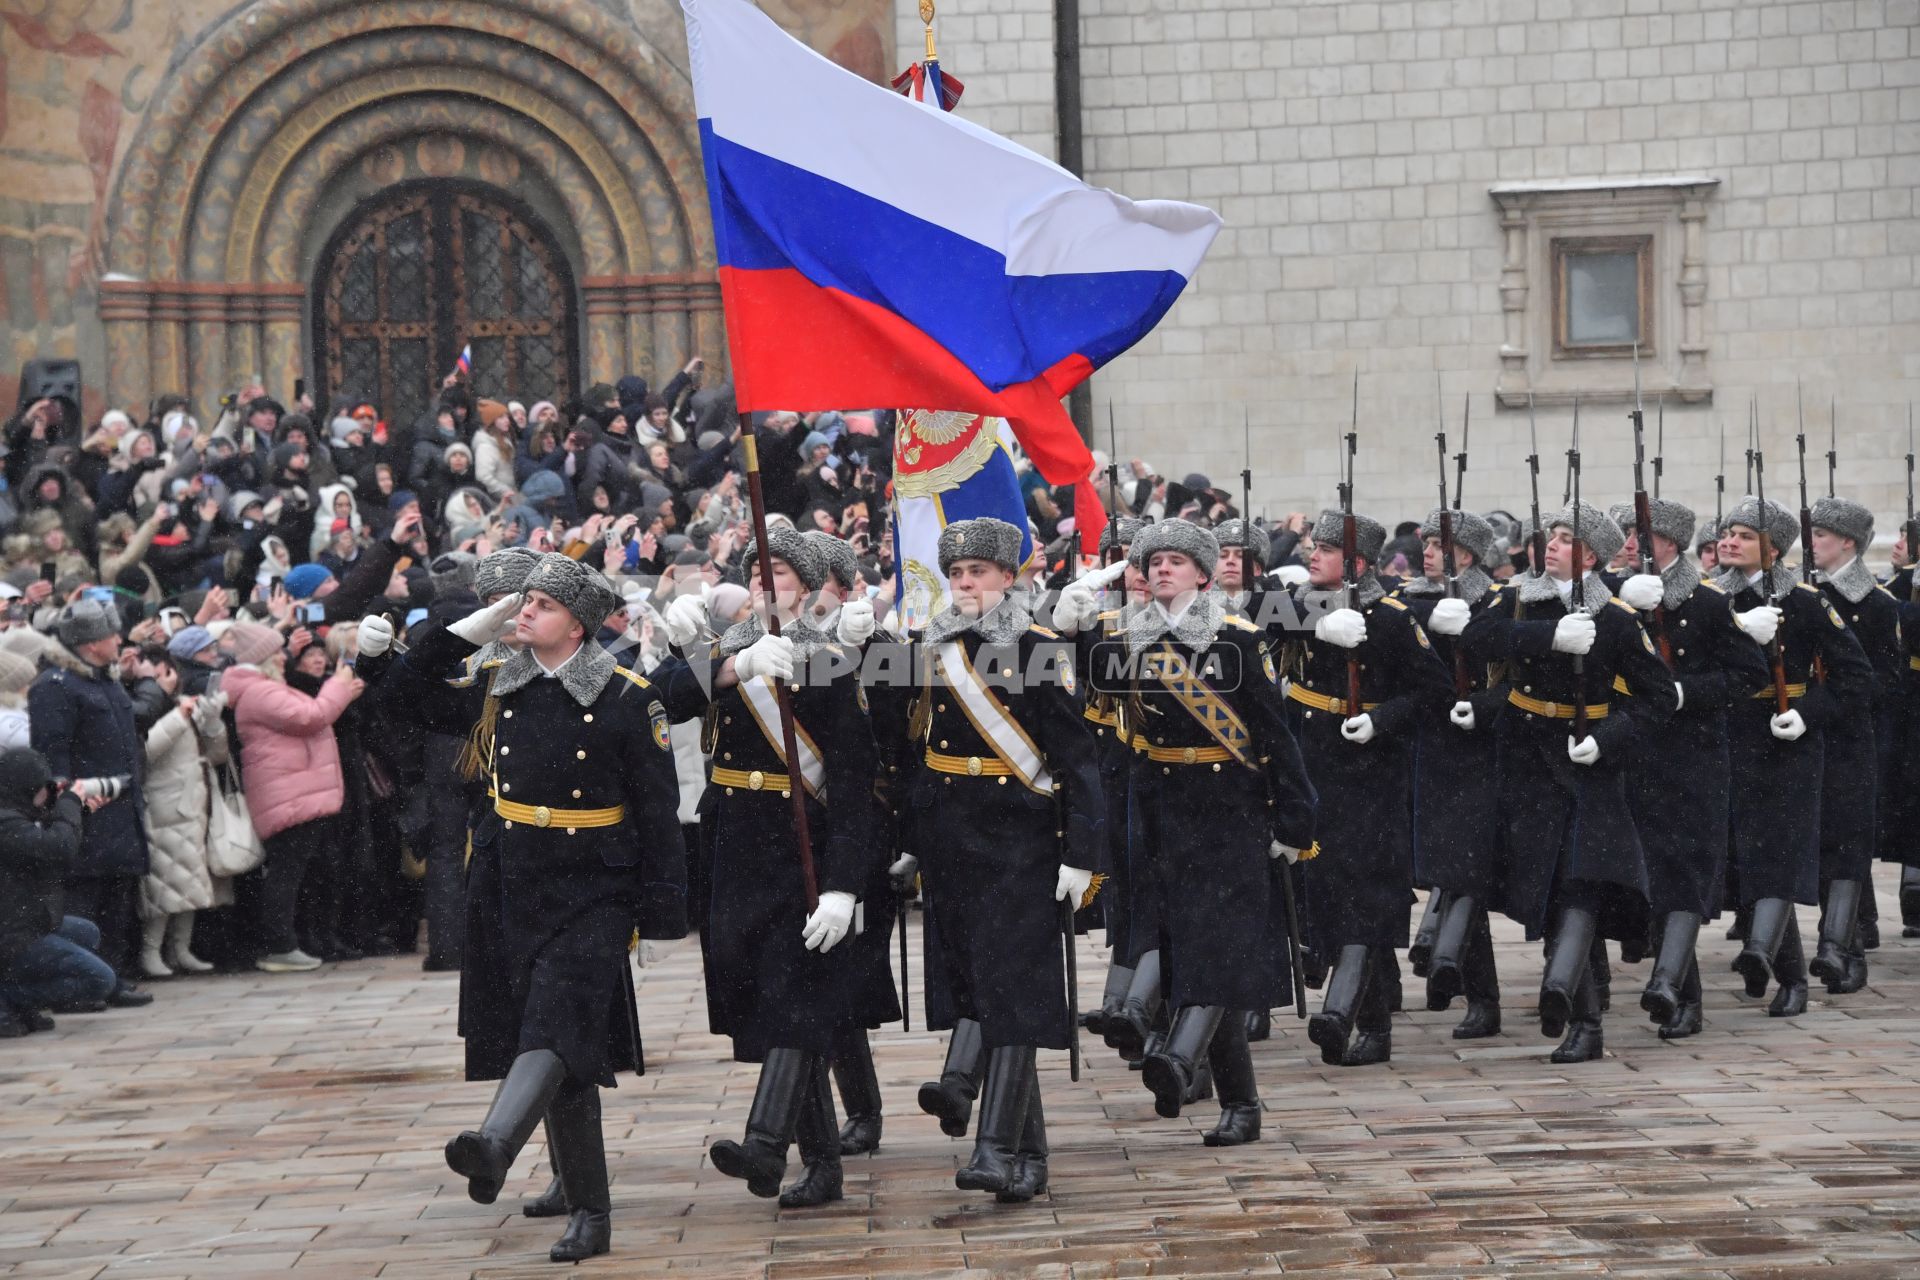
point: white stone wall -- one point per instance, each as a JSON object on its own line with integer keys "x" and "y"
{"x": 1350, "y": 147}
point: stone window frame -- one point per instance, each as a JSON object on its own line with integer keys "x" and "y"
{"x": 1671, "y": 212}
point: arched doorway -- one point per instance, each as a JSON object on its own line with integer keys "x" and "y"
{"x": 426, "y": 268}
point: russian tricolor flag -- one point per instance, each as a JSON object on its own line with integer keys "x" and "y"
{"x": 875, "y": 250}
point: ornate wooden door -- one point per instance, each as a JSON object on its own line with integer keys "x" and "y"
{"x": 426, "y": 269}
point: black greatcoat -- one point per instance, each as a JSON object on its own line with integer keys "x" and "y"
{"x": 558, "y": 906}
{"x": 1567, "y": 836}
{"x": 1456, "y": 815}
{"x": 1359, "y": 887}
{"x": 764, "y": 988}
{"x": 1777, "y": 785}
{"x": 1900, "y": 805}
{"x": 989, "y": 855}
{"x": 1131, "y": 904}
{"x": 1679, "y": 784}
{"x": 1199, "y": 833}
{"x": 1859, "y": 760}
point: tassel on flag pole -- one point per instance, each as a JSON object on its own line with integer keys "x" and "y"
{"x": 926, "y": 81}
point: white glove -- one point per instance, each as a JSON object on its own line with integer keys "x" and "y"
{"x": 1359, "y": 729}
{"x": 1287, "y": 851}
{"x": 1585, "y": 751}
{"x": 1079, "y": 605}
{"x": 1346, "y": 628}
{"x": 686, "y": 618}
{"x": 770, "y": 656}
{"x": 1573, "y": 634}
{"x": 1643, "y": 591}
{"x": 829, "y": 922}
{"x": 485, "y": 625}
{"x": 1072, "y": 886}
{"x": 1293, "y": 575}
{"x": 1449, "y": 617}
{"x": 856, "y": 621}
{"x": 901, "y": 873}
{"x": 1679, "y": 696}
{"x": 374, "y": 635}
{"x": 1787, "y": 725}
{"x": 1462, "y": 715}
{"x": 206, "y": 712}
{"x": 1761, "y": 623}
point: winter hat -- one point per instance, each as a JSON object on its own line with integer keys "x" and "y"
{"x": 1780, "y": 525}
{"x": 652, "y": 495}
{"x": 842, "y": 565}
{"x": 1234, "y": 533}
{"x": 453, "y": 572}
{"x": 542, "y": 486}
{"x": 340, "y": 525}
{"x": 801, "y": 556}
{"x": 252, "y": 644}
{"x": 487, "y": 411}
{"x": 1369, "y": 536}
{"x": 458, "y": 447}
{"x": 981, "y": 538}
{"x": 401, "y": 498}
{"x": 85, "y": 621}
{"x": 238, "y": 503}
{"x": 814, "y": 440}
{"x": 188, "y": 641}
{"x": 1471, "y": 533}
{"x": 1848, "y": 519}
{"x": 1184, "y": 536}
{"x": 1602, "y": 536}
{"x": 342, "y": 427}
{"x": 539, "y": 406}
{"x": 296, "y": 421}
{"x": 16, "y": 673}
{"x": 304, "y": 579}
{"x": 504, "y": 572}
{"x": 581, "y": 591}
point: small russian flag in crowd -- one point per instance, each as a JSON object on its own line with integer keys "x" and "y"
{"x": 464, "y": 365}
{"x": 873, "y": 251}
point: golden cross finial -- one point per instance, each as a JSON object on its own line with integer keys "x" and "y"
{"x": 926, "y": 16}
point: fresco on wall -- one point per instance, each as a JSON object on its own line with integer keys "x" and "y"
{"x": 75, "y": 79}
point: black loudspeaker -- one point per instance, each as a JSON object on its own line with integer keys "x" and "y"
{"x": 49, "y": 379}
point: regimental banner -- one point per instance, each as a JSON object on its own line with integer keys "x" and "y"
{"x": 947, "y": 466}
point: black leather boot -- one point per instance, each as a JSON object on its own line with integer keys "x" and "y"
{"x": 483, "y": 1156}
{"x": 820, "y": 1147}
{"x": 1686, "y": 1019}
{"x": 1569, "y": 967}
{"x": 1128, "y": 1029}
{"x": 1482, "y": 981}
{"x": 1420, "y": 953}
{"x": 1837, "y": 925}
{"x": 1790, "y": 969}
{"x": 859, "y": 1090}
{"x": 1313, "y": 969}
{"x": 1910, "y": 902}
{"x": 1663, "y": 996}
{"x": 1259, "y": 1024}
{"x": 1170, "y": 1071}
{"x": 1233, "y": 1078}
{"x": 1742, "y": 923}
{"x": 1346, "y": 988}
{"x": 1112, "y": 996}
{"x": 995, "y": 1165}
{"x": 1855, "y": 977}
{"x": 551, "y": 1203}
{"x": 1373, "y": 1025}
{"x": 950, "y": 1098}
{"x": 761, "y": 1159}
{"x": 1030, "y": 1176}
{"x": 1600, "y": 974}
{"x": 1765, "y": 934}
{"x": 575, "y": 1122}
{"x": 1444, "y": 975}
{"x": 1584, "y": 1042}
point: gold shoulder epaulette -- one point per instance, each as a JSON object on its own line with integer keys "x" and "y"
{"x": 1392, "y": 603}
{"x": 1623, "y": 605}
{"x": 1807, "y": 586}
{"x": 1711, "y": 585}
{"x": 1043, "y": 631}
{"x": 638, "y": 680}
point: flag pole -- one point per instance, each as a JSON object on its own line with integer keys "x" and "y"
{"x": 797, "y": 791}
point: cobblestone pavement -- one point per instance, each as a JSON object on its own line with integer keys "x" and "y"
{"x": 248, "y": 1126}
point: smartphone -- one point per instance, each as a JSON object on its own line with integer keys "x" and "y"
{"x": 49, "y": 572}
{"x": 311, "y": 613}
{"x": 213, "y": 684}
{"x": 299, "y": 388}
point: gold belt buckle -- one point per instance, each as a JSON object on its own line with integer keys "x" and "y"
{"x": 973, "y": 766}
{"x": 756, "y": 780}
{"x": 1189, "y": 756}
{"x": 542, "y": 816}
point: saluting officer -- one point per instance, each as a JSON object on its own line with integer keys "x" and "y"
{"x": 588, "y": 841}
{"x": 1856, "y": 799}
{"x": 1003, "y": 801}
{"x": 1679, "y": 782}
{"x": 1456, "y": 834}
{"x": 774, "y": 982}
{"x": 1779, "y": 757}
{"x": 1360, "y": 760}
{"x": 1573, "y": 867}
{"x": 1217, "y": 793}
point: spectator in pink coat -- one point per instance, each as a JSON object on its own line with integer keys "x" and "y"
{"x": 290, "y": 767}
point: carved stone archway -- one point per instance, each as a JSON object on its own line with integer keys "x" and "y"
{"x": 286, "y": 114}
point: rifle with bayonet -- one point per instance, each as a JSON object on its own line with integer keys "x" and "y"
{"x": 1720, "y": 480}
{"x": 1462, "y": 684}
{"x": 1833, "y": 443}
{"x": 1120, "y": 505}
{"x": 1459, "y": 460}
{"x": 1579, "y": 568}
{"x": 1350, "y": 545}
{"x": 1538, "y": 547}
{"x": 1643, "y": 510}
{"x": 1659, "y": 442}
{"x": 1913, "y": 525}
{"x": 1757, "y": 468}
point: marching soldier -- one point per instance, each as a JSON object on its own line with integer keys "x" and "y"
{"x": 1684, "y": 829}
{"x": 1900, "y": 808}
{"x": 1573, "y": 868}
{"x": 1003, "y": 800}
{"x": 1856, "y": 797}
{"x": 1360, "y": 762}
{"x": 584, "y": 801}
{"x": 773, "y": 983}
{"x": 1217, "y": 794}
{"x": 1777, "y": 755}
{"x": 1456, "y": 816}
